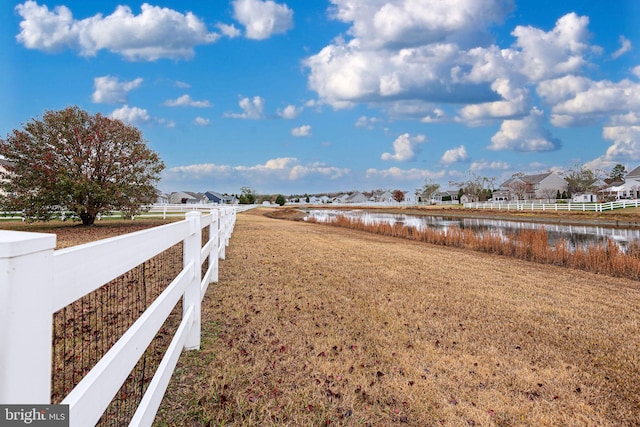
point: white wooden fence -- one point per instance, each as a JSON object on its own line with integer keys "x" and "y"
{"x": 36, "y": 281}
{"x": 584, "y": 207}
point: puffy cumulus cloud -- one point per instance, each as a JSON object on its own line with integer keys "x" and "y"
{"x": 580, "y": 101}
{"x": 381, "y": 23}
{"x": 300, "y": 131}
{"x": 516, "y": 101}
{"x": 405, "y": 147}
{"x": 153, "y": 34}
{"x": 550, "y": 54}
{"x": 626, "y": 142}
{"x": 290, "y": 112}
{"x": 279, "y": 169}
{"x": 201, "y": 170}
{"x": 262, "y": 19}
{"x": 631, "y": 118}
{"x": 110, "y": 90}
{"x": 527, "y": 134}
{"x": 186, "y": 101}
{"x": 252, "y": 108}
{"x": 344, "y": 74}
{"x": 139, "y": 116}
{"x": 229, "y": 30}
{"x": 558, "y": 90}
{"x": 399, "y": 174}
{"x": 436, "y": 116}
{"x": 625, "y": 46}
{"x": 367, "y": 122}
{"x": 201, "y": 121}
{"x": 486, "y": 165}
{"x": 132, "y": 115}
{"x": 455, "y": 155}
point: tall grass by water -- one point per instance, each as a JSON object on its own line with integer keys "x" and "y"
{"x": 530, "y": 245}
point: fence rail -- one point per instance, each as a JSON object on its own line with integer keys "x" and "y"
{"x": 584, "y": 207}
{"x": 36, "y": 281}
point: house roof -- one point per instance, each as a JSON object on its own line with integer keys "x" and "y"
{"x": 634, "y": 173}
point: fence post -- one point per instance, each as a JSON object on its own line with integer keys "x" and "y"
{"x": 214, "y": 235}
{"x": 26, "y": 320}
{"x": 221, "y": 232}
{"x": 192, "y": 297}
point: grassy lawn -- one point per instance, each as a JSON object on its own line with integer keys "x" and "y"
{"x": 316, "y": 325}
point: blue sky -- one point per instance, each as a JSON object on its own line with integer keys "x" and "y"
{"x": 306, "y": 96}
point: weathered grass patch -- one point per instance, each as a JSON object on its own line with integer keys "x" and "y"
{"x": 316, "y": 325}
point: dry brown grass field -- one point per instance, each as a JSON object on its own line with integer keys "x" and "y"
{"x": 315, "y": 325}
{"x": 312, "y": 325}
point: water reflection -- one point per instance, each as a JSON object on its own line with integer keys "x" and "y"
{"x": 575, "y": 235}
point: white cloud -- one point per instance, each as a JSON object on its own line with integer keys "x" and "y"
{"x": 515, "y": 102}
{"x": 626, "y": 142}
{"x": 527, "y": 134}
{"x": 381, "y": 23}
{"x": 436, "y": 116}
{"x": 182, "y": 85}
{"x": 290, "y": 112}
{"x": 636, "y": 71}
{"x": 580, "y": 101}
{"x": 412, "y": 50}
{"x": 186, "y": 101}
{"x": 486, "y": 165}
{"x": 109, "y": 90}
{"x": 132, "y": 115}
{"x": 557, "y": 52}
{"x": 304, "y": 130}
{"x": 396, "y": 173}
{"x": 455, "y": 155}
{"x": 625, "y": 46}
{"x": 280, "y": 169}
{"x": 229, "y": 30}
{"x": 262, "y": 19}
{"x": 155, "y": 33}
{"x": 631, "y": 118}
{"x": 251, "y": 109}
{"x": 405, "y": 147}
{"x": 201, "y": 121}
{"x": 367, "y": 122}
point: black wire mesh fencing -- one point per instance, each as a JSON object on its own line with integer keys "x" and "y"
{"x": 85, "y": 330}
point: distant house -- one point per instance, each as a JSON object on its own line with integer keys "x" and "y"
{"x": 382, "y": 197}
{"x": 584, "y": 198}
{"x": 532, "y": 187}
{"x": 162, "y": 199}
{"x": 184, "y": 198}
{"x": 220, "y": 199}
{"x": 468, "y": 198}
{"x": 501, "y": 196}
{"x": 629, "y": 189}
{"x": 356, "y": 197}
{"x": 448, "y": 196}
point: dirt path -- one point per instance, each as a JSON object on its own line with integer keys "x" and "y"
{"x": 317, "y": 325}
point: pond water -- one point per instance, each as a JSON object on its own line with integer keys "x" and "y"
{"x": 575, "y": 235}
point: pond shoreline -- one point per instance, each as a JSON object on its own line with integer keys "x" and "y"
{"x": 609, "y": 219}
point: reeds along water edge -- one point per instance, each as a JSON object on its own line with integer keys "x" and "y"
{"x": 531, "y": 245}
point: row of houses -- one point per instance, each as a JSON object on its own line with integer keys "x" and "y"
{"x": 546, "y": 186}
{"x": 377, "y": 196}
{"x": 191, "y": 198}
